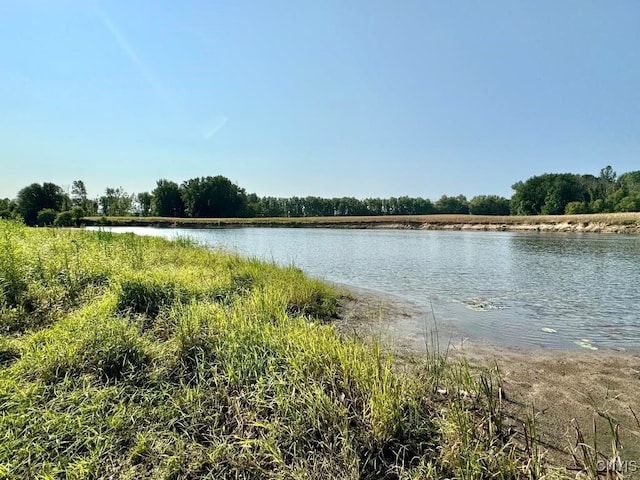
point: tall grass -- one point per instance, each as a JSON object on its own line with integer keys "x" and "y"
{"x": 134, "y": 357}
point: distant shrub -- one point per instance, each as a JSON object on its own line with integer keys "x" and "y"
{"x": 46, "y": 217}
{"x": 597, "y": 206}
{"x": 454, "y": 205}
{"x": 489, "y": 205}
{"x": 64, "y": 219}
{"x": 629, "y": 203}
{"x": 78, "y": 213}
{"x": 576, "y": 208}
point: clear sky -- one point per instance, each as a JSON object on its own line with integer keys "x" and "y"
{"x": 329, "y": 98}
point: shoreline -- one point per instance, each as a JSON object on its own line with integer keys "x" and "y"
{"x": 613, "y": 223}
{"x": 566, "y": 388}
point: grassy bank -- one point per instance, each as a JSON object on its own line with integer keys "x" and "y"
{"x": 133, "y": 357}
{"x": 601, "y": 222}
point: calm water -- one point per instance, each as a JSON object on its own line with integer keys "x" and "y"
{"x": 504, "y": 287}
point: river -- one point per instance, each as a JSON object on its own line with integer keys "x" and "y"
{"x": 514, "y": 289}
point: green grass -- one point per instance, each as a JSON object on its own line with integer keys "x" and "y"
{"x": 134, "y": 357}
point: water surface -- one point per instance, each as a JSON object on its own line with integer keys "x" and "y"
{"x": 509, "y": 288}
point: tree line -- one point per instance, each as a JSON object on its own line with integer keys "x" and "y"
{"x": 219, "y": 197}
{"x": 567, "y": 193}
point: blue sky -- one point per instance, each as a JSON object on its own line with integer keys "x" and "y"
{"x": 328, "y": 98}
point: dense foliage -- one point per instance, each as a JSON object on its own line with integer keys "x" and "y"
{"x": 489, "y": 205}
{"x": 556, "y": 194}
{"x": 218, "y": 197}
{"x": 35, "y": 198}
{"x": 166, "y": 200}
{"x": 133, "y": 357}
{"x": 213, "y": 197}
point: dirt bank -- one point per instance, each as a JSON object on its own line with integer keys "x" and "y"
{"x": 567, "y": 389}
{"x": 562, "y": 227}
{"x": 627, "y": 223}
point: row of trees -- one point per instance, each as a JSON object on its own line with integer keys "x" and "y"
{"x": 566, "y": 193}
{"x": 211, "y": 197}
{"x": 48, "y": 203}
{"x": 216, "y": 197}
{"x": 316, "y": 206}
{"x": 43, "y": 204}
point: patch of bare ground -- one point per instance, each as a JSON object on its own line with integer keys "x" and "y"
{"x": 568, "y": 392}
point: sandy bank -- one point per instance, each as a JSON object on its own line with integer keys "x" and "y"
{"x": 563, "y": 227}
{"x": 565, "y": 388}
{"x": 626, "y": 223}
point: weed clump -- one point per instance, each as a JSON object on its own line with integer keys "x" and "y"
{"x": 146, "y": 296}
{"x": 9, "y": 351}
{"x": 115, "y": 350}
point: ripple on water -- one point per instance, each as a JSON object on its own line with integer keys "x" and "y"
{"x": 501, "y": 286}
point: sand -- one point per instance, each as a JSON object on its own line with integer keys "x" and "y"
{"x": 620, "y": 223}
{"x": 567, "y": 389}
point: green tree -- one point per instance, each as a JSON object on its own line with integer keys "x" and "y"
{"x": 78, "y": 213}
{"x": 254, "y": 207}
{"x": 92, "y": 206}
{"x": 457, "y": 205}
{"x": 597, "y": 206}
{"x": 625, "y": 197}
{"x": 373, "y": 206}
{"x": 7, "y": 208}
{"x": 116, "y": 202}
{"x": 630, "y": 203}
{"x": 64, "y": 219}
{"x": 46, "y": 217}
{"x": 317, "y": 207}
{"x": 528, "y": 197}
{"x": 35, "y": 197}
{"x": 79, "y": 197}
{"x": 213, "y": 197}
{"x": 53, "y": 195}
{"x": 143, "y": 203}
{"x": 576, "y": 208}
{"x": 269, "y": 207}
{"x": 166, "y": 200}
{"x": 562, "y": 189}
{"x": 630, "y": 182}
{"x": 489, "y": 205}
{"x": 548, "y": 194}
{"x": 614, "y": 198}
{"x": 423, "y": 206}
{"x": 608, "y": 175}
